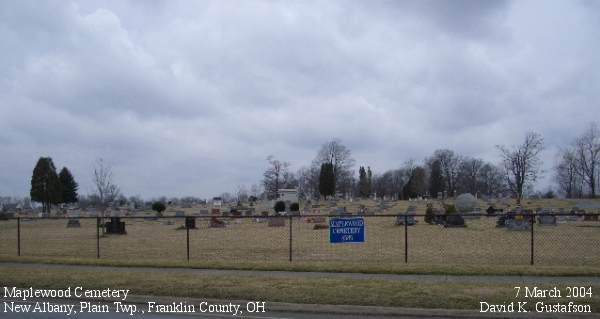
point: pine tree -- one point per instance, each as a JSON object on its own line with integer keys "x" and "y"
{"x": 416, "y": 184}
{"x": 362, "y": 182}
{"x": 436, "y": 178}
{"x": 68, "y": 186}
{"x": 369, "y": 181}
{"x": 45, "y": 185}
{"x": 327, "y": 180}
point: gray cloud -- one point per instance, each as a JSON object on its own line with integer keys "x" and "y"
{"x": 189, "y": 98}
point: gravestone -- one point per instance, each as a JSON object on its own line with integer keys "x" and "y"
{"x": 465, "y": 203}
{"x": 492, "y": 211}
{"x": 316, "y": 219}
{"x": 439, "y": 217}
{"x": 115, "y": 226}
{"x": 454, "y": 220}
{"x": 73, "y": 223}
{"x": 235, "y": 213}
{"x": 517, "y": 222}
{"x": 590, "y": 217}
{"x": 216, "y": 223}
{"x": 276, "y": 221}
{"x": 408, "y": 218}
{"x": 179, "y": 213}
{"x": 546, "y": 219}
{"x": 190, "y": 222}
{"x": 320, "y": 226}
{"x": 204, "y": 212}
{"x": 215, "y": 211}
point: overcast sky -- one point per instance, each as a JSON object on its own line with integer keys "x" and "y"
{"x": 190, "y": 97}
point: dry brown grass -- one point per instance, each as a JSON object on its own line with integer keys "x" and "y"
{"x": 246, "y": 240}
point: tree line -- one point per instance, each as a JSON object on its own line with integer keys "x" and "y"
{"x": 577, "y": 171}
{"x": 332, "y": 173}
{"x": 444, "y": 173}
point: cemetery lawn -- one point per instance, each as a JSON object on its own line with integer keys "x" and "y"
{"x": 292, "y": 290}
{"x": 568, "y": 249}
{"x": 331, "y": 266}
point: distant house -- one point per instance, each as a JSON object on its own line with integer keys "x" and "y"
{"x": 288, "y": 195}
{"x": 217, "y": 201}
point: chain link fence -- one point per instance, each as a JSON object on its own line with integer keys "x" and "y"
{"x": 389, "y": 239}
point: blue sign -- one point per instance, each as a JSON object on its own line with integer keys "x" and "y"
{"x": 346, "y": 230}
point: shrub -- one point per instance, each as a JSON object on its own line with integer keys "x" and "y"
{"x": 294, "y": 207}
{"x": 158, "y": 207}
{"x": 429, "y": 216}
{"x": 279, "y": 207}
{"x": 450, "y": 209}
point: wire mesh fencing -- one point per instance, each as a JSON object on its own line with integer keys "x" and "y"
{"x": 388, "y": 239}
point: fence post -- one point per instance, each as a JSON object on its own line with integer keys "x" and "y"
{"x": 290, "y": 238}
{"x": 532, "y": 221}
{"x": 18, "y": 236}
{"x": 98, "y": 237}
{"x": 187, "y": 239}
{"x": 406, "y": 238}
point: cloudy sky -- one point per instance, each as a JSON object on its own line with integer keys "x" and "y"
{"x": 190, "y": 97}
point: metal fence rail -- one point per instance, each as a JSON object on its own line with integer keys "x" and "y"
{"x": 389, "y": 239}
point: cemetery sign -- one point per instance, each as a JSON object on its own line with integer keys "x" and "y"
{"x": 346, "y": 230}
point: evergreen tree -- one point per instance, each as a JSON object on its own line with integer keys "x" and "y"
{"x": 363, "y": 190}
{"x": 45, "y": 185}
{"x": 327, "y": 180}
{"x": 68, "y": 186}
{"x": 416, "y": 184}
{"x": 369, "y": 181}
{"x": 436, "y": 178}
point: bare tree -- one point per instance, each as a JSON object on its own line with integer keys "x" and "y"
{"x": 567, "y": 176}
{"x": 106, "y": 191}
{"x": 242, "y": 193}
{"x": 587, "y": 149}
{"x": 449, "y": 163}
{"x": 339, "y": 155}
{"x": 469, "y": 175}
{"x": 308, "y": 182}
{"x": 275, "y": 176}
{"x": 492, "y": 181}
{"x": 522, "y": 163}
{"x": 255, "y": 190}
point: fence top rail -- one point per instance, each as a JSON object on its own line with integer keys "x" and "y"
{"x": 293, "y": 216}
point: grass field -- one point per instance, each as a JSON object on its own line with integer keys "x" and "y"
{"x": 294, "y": 290}
{"x": 247, "y": 241}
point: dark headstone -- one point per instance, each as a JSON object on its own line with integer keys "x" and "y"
{"x": 190, "y": 222}
{"x": 115, "y": 226}
{"x": 73, "y": 223}
{"x": 409, "y": 219}
{"x": 439, "y": 218}
{"x": 216, "y": 223}
{"x": 493, "y": 211}
{"x": 454, "y": 220}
